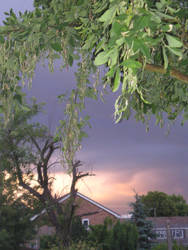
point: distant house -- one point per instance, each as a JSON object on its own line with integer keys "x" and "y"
{"x": 90, "y": 212}
{"x": 178, "y": 227}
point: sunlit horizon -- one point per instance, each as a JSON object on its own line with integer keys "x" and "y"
{"x": 110, "y": 190}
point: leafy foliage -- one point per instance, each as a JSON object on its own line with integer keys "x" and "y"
{"x": 161, "y": 204}
{"x": 15, "y": 225}
{"x": 78, "y": 234}
{"x": 48, "y": 242}
{"x": 26, "y": 155}
{"x": 122, "y": 236}
{"x": 164, "y": 246}
{"x": 142, "y": 45}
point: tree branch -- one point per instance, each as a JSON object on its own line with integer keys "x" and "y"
{"x": 39, "y": 172}
{"x": 24, "y": 185}
{"x": 53, "y": 163}
{"x": 35, "y": 143}
{"x": 173, "y": 72}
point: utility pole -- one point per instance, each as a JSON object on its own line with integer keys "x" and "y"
{"x": 169, "y": 238}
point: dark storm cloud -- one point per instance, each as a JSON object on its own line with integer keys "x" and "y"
{"x": 153, "y": 160}
{"x": 125, "y": 148}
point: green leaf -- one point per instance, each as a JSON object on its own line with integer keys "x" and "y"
{"x": 120, "y": 41}
{"x": 90, "y": 92}
{"x": 167, "y": 27}
{"x": 165, "y": 58}
{"x": 18, "y": 98}
{"x": 1, "y": 109}
{"x": 155, "y": 18}
{"x": 152, "y": 41}
{"x": 114, "y": 56}
{"x": 185, "y": 116}
{"x": 116, "y": 81}
{"x": 142, "y": 22}
{"x": 101, "y": 58}
{"x": 121, "y": 17}
{"x": 130, "y": 63}
{"x": 111, "y": 72}
{"x": 25, "y": 108}
{"x": 143, "y": 47}
{"x": 162, "y": 15}
{"x": 2, "y": 40}
{"x": 70, "y": 60}
{"x": 116, "y": 28}
{"x": 145, "y": 50}
{"x": 87, "y": 117}
{"x": 142, "y": 97}
{"x": 159, "y": 5}
{"x": 173, "y": 42}
{"x": 108, "y": 15}
{"x": 82, "y": 135}
{"x": 56, "y": 47}
{"x": 177, "y": 52}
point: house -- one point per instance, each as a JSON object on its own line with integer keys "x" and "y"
{"x": 90, "y": 212}
{"x": 178, "y": 227}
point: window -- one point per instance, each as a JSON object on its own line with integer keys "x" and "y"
{"x": 85, "y": 223}
{"x": 177, "y": 233}
{"x": 34, "y": 245}
{"x": 161, "y": 234}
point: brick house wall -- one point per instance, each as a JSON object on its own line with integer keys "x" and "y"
{"x": 90, "y": 211}
{"x": 178, "y": 226}
{"x": 95, "y": 214}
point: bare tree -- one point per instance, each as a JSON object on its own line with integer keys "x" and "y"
{"x": 28, "y": 152}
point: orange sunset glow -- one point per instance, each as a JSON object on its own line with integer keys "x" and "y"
{"x": 112, "y": 190}
{"x": 124, "y": 157}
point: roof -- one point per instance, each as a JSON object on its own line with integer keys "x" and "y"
{"x": 174, "y": 222}
{"x": 65, "y": 197}
{"x": 126, "y": 216}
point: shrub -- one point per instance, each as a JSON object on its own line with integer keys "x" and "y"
{"x": 121, "y": 236}
{"x": 83, "y": 245}
{"x": 47, "y": 242}
{"x": 163, "y": 246}
{"x": 79, "y": 233}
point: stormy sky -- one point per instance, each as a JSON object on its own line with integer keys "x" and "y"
{"x": 124, "y": 157}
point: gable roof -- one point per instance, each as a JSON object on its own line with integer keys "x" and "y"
{"x": 97, "y": 204}
{"x": 65, "y": 197}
